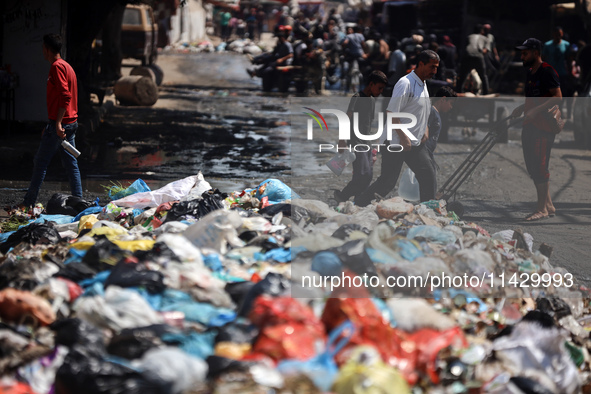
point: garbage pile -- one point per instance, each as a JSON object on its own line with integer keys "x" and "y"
{"x": 240, "y": 45}
{"x": 187, "y": 289}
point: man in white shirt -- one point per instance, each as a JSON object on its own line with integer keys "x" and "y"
{"x": 410, "y": 95}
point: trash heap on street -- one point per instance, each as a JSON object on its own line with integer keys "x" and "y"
{"x": 187, "y": 289}
{"x": 239, "y": 45}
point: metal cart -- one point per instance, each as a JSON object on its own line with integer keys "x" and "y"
{"x": 453, "y": 183}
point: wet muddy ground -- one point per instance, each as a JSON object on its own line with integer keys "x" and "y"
{"x": 212, "y": 117}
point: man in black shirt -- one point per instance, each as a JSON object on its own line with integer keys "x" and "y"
{"x": 542, "y": 84}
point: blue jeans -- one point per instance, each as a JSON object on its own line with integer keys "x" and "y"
{"x": 50, "y": 144}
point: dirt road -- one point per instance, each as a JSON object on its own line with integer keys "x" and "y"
{"x": 212, "y": 117}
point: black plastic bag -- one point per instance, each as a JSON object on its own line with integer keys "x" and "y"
{"x": 530, "y": 386}
{"x": 218, "y": 365}
{"x": 63, "y": 204}
{"x": 76, "y": 272}
{"x": 103, "y": 255}
{"x": 34, "y": 233}
{"x": 354, "y": 257}
{"x": 159, "y": 254}
{"x": 274, "y": 285}
{"x": 129, "y": 273}
{"x": 86, "y": 372}
{"x": 210, "y": 201}
{"x": 237, "y": 332}
{"x": 238, "y": 290}
{"x": 71, "y": 332}
{"x": 554, "y": 306}
{"x": 132, "y": 343}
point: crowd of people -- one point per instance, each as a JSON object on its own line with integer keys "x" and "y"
{"x": 330, "y": 45}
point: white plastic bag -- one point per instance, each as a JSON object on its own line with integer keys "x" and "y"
{"x": 408, "y": 188}
{"x": 216, "y": 230}
{"x": 174, "y": 191}
{"x": 118, "y": 309}
{"x": 173, "y": 365}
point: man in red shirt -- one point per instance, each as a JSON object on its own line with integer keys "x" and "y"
{"x": 62, "y": 112}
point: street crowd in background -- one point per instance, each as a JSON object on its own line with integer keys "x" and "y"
{"x": 328, "y": 44}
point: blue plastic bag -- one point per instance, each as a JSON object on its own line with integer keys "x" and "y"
{"x": 139, "y": 186}
{"x": 275, "y": 190}
{"x": 322, "y": 368}
{"x": 432, "y": 234}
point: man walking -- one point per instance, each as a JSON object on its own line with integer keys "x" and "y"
{"x": 62, "y": 112}
{"x": 473, "y": 59}
{"x": 410, "y": 95}
{"x": 543, "y": 82}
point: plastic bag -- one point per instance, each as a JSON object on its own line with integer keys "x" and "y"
{"x": 373, "y": 329}
{"x": 24, "y": 274}
{"x": 139, "y": 186}
{"x": 200, "y": 187}
{"x": 171, "y": 192}
{"x": 533, "y": 346}
{"x": 275, "y": 191}
{"x": 432, "y": 234}
{"x": 203, "y": 313}
{"x": 118, "y": 309}
{"x": 322, "y": 368}
{"x": 40, "y": 374}
{"x": 196, "y": 209}
{"x": 274, "y": 285}
{"x": 66, "y": 205}
{"x": 132, "y": 343}
{"x": 103, "y": 255}
{"x": 174, "y": 366}
{"x": 34, "y": 234}
{"x": 215, "y": 231}
{"x": 129, "y": 273}
{"x": 366, "y": 373}
{"x": 88, "y": 372}
{"x": 408, "y": 188}
{"x": 23, "y": 306}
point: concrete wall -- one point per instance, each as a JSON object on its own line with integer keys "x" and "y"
{"x": 188, "y": 25}
{"x": 27, "y": 21}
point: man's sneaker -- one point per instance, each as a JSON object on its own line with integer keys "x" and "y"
{"x": 251, "y": 72}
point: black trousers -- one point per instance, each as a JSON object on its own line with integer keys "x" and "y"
{"x": 417, "y": 159}
{"x": 362, "y": 176}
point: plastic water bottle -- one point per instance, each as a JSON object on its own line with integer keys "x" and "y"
{"x": 340, "y": 160}
{"x": 67, "y": 146}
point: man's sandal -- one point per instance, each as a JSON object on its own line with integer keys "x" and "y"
{"x": 536, "y": 216}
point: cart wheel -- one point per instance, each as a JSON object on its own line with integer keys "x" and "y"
{"x": 456, "y": 207}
